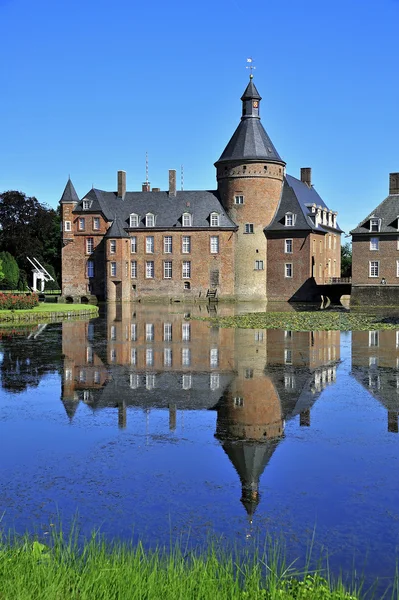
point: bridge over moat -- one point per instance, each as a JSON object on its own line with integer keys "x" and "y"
{"x": 336, "y": 287}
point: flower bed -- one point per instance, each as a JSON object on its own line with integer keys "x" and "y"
{"x": 18, "y": 301}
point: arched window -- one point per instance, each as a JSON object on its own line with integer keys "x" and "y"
{"x": 214, "y": 219}
{"x": 186, "y": 220}
{"x": 149, "y": 220}
{"x": 134, "y": 220}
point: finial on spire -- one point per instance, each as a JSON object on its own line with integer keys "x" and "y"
{"x": 251, "y": 67}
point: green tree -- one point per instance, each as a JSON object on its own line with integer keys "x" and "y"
{"x": 10, "y": 270}
{"x": 346, "y": 260}
{"x": 1, "y": 271}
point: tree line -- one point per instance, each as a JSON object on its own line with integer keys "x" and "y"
{"x": 27, "y": 228}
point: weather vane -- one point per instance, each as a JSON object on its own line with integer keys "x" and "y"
{"x": 250, "y": 66}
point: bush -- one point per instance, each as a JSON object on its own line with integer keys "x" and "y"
{"x": 18, "y": 301}
{"x": 10, "y": 271}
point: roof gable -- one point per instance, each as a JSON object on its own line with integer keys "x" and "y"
{"x": 387, "y": 212}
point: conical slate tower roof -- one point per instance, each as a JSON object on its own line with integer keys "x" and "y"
{"x": 116, "y": 230}
{"x": 250, "y": 140}
{"x": 69, "y": 194}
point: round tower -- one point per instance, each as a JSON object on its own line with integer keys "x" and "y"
{"x": 250, "y": 176}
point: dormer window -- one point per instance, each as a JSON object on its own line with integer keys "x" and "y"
{"x": 134, "y": 220}
{"x": 86, "y": 204}
{"x": 374, "y": 224}
{"x": 289, "y": 219}
{"x": 214, "y": 219}
{"x": 149, "y": 220}
{"x": 186, "y": 220}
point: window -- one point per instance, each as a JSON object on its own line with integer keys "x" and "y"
{"x": 149, "y": 244}
{"x": 133, "y": 357}
{"x": 258, "y": 336}
{"x": 133, "y": 332}
{"x": 288, "y": 246}
{"x": 186, "y": 285}
{"x": 288, "y": 356}
{"x": 167, "y": 332}
{"x": 81, "y": 223}
{"x": 96, "y": 377}
{"x": 90, "y": 268}
{"x": 329, "y": 242}
{"x": 186, "y": 269}
{"x": 214, "y": 381}
{"x": 288, "y": 269}
{"x": 214, "y": 220}
{"x": 186, "y": 244}
{"x": 134, "y": 220}
{"x": 374, "y": 243}
{"x": 149, "y": 332}
{"x": 133, "y": 244}
{"x": 374, "y": 224}
{"x": 167, "y": 244}
{"x": 238, "y": 401}
{"x": 186, "y": 382}
{"x": 149, "y": 269}
{"x": 86, "y": 204}
{"x": 167, "y": 269}
{"x": 214, "y": 242}
{"x": 96, "y": 223}
{"x": 185, "y": 357}
{"x": 374, "y": 338}
{"x": 259, "y": 266}
{"x": 133, "y": 269}
{"x": 113, "y": 333}
{"x": 67, "y": 226}
{"x": 249, "y": 227}
{"x": 167, "y": 357}
{"x": 134, "y": 381}
{"x": 149, "y": 357}
{"x": 374, "y": 268}
{"x": 186, "y": 332}
{"x": 214, "y": 357}
{"x": 289, "y": 219}
{"x": 149, "y": 220}
{"x": 238, "y": 199}
{"x": 288, "y": 334}
{"x": 397, "y": 268}
{"x": 186, "y": 220}
{"x": 112, "y": 246}
{"x": 89, "y": 245}
{"x": 113, "y": 269}
{"x": 335, "y": 242}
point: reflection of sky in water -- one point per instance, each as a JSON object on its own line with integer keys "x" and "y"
{"x": 171, "y": 474}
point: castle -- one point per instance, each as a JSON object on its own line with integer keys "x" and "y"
{"x": 262, "y": 235}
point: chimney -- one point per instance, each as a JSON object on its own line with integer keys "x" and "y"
{"x": 156, "y": 189}
{"x": 172, "y": 182}
{"x": 146, "y": 187}
{"x": 306, "y": 176}
{"x": 121, "y": 184}
{"x": 393, "y": 183}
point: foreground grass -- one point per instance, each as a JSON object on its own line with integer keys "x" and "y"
{"x": 306, "y": 321}
{"x": 60, "y": 571}
{"x": 47, "y": 310}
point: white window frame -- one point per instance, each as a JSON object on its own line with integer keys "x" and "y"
{"x": 86, "y": 204}
{"x": 112, "y": 246}
{"x": 214, "y": 244}
{"x": 259, "y": 265}
{"x": 133, "y": 269}
{"x": 214, "y": 220}
{"x": 397, "y": 268}
{"x": 150, "y": 220}
{"x": 214, "y": 358}
{"x": 214, "y": 381}
{"x": 289, "y": 219}
{"x": 167, "y": 332}
{"x": 288, "y": 245}
{"x": 249, "y": 228}
{"x": 239, "y": 199}
{"x": 96, "y": 223}
{"x": 288, "y": 270}
{"x": 374, "y": 338}
{"x": 67, "y": 226}
{"x": 149, "y": 360}
{"x": 81, "y": 224}
{"x": 187, "y": 219}
{"x": 186, "y": 244}
{"x": 374, "y": 224}
{"x": 133, "y": 244}
{"x": 149, "y": 269}
{"x": 113, "y": 269}
{"x": 149, "y": 332}
{"x": 134, "y": 220}
{"x": 186, "y": 381}
{"x": 167, "y": 269}
{"x": 149, "y": 244}
{"x": 374, "y": 243}
{"x": 89, "y": 245}
{"x": 374, "y": 268}
{"x": 167, "y": 357}
{"x": 168, "y": 244}
{"x": 186, "y": 269}
{"x": 185, "y": 357}
{"x": 186, "y": 332}
{"x": 90, "y": 268}
{"x": 133, "y": 332}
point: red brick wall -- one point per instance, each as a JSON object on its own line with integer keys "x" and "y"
{"x": 387, "y": 255}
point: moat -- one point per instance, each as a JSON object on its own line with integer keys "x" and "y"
{"x": 155, "y": 427}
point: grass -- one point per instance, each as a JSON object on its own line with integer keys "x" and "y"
{"x": 47, "y": 310}
{"x": 307, "y": 321}
{"x": 98, "y": 571}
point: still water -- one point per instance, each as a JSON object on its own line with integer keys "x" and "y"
{"x": 152, "y": 426}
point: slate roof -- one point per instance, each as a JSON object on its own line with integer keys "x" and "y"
{"x": 250, "y": 142}
{"x": 387, "y": 211}
{"x": 116, "y": 230}
{"x": 168, "y": 210}
{"x": 296, "y": 198}
{"x": 69, "y": 194}
{"x": 251, "y": 93}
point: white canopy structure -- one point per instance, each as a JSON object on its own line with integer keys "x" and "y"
{"x": 40, "y": 274}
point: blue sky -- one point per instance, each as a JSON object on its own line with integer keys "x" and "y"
{"x": 89, "y": 86}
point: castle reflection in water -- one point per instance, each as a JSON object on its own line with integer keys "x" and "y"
{"x": 153, "y": 357}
